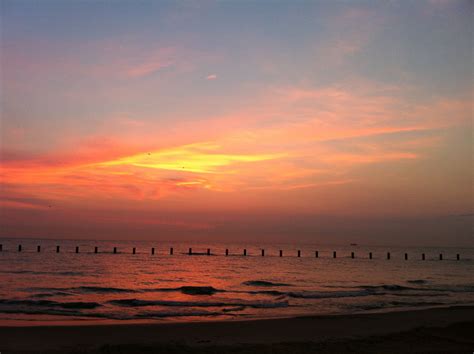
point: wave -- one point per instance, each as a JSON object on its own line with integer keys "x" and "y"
{"x": 327, "y": 294}
{"x": 113, "y": 315}
{"x": 49, "y": 303}
{"x": 253, "y": 304}
{"x": 69, "y": 274}
{"x": 188, "y": 290}
{"x": 417, "y": 281}
{"x": 263, "y": 283}
{"x": 394, "y": 304}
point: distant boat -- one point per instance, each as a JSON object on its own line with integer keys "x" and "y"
{"x": 354, "y": 244}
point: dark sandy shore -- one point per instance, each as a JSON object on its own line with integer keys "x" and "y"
{"x": 442, "y": 330}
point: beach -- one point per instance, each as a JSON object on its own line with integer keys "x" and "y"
{"x": 438, "y": 330}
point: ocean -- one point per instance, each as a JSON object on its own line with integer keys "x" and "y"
{"x": 47, "y": 287}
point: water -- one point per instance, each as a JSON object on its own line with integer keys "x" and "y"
{"x": 84, "y": 288}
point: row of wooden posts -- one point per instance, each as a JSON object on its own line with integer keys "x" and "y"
{"x": 208, "y": 253}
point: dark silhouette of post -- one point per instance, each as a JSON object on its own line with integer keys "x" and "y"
{"x": 299, "y": 253}
{"x": 190, "y": 251}
{"x": 263, "y": 252}
{"x": 245, "y": 252}
{"x": 423, "y": 256}
{"x": 1, "y": 247}
{"x": 19, "y": 248}
{"x": 96, "y": 249}
{"x": 57, "y": 249}
{"x": 388, "y": 255}
{"x": 458, "y": 257}
{"x": 171, "y": 251}
{"x": 226, "y": 251}
{"x": 134, "y": 250}
{"x": 316, "y": 254}
{"x": 440, "y": 256}
{"x": 153, "y": 250}
{"x": 370, "y": 255}
{"x": 406, "y": 256}
{"x": 352, "y": 255}
{"x": 334, "y": 254}
{"x": 208, "y": 251}
{"x": 38, "y": 249}
{"x": 115, "y": 250}
{"x": 77, "y": 249}
{"x": 281, "y": 253}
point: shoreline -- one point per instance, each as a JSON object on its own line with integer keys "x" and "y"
{"x": 449, "y": 327}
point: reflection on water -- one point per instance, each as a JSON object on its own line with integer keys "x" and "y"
{"x": 107, "y": 287}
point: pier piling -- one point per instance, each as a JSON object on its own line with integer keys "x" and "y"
{"x": 190, "y": 251}
{"x": 115, "y": 250}
{"x": 316, "y": 254}
{"x": 334, "y": 254}
{"x": 57, "y": 249}
{"x": 1, "y": 248}
{"x": 281, "y": 253}
{"x": 388, "y": 255}
{"x": 96, "y": 249}
{"x": 370, "y": 255}
{"x": 263, "y": 252}
{"x": 299, "y": 253}
{"x": 77, "y": 249}
{"x": 352, "y": 255}
{"x": 226, "y": 251}
{"x": 245, "y": 252}
{"x": 423, "y": 256}
{"x": 134, "y": 250}
{"x": 171, "y": 251}
{"x": 153, "y": 250}
{"x": 38, "y": 249}
{"x": 19, "y": 248}
{"x": 440, "y": 256}
{"x": 406, "y": 256}
{"x": 457, "y": 256}
{"x": 208, "y": 251}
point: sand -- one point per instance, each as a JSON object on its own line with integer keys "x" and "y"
{"x": 441, "y": 330}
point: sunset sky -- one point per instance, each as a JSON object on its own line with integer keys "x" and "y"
{"x": 299, "y": 121}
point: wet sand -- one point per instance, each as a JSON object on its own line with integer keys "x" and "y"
{"x": 441, "y": 330}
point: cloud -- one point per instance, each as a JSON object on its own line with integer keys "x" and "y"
{"x": 211, "y": 77}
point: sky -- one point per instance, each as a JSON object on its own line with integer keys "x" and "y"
{"x": 267, "y": 121}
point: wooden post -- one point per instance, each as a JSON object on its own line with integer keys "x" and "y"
{"x": 281, "y": 253}
{"x": 57, "y": 249}
{"x": 440, "y": 256}
{"x": 208, "y": 251}
{"x": 38, "y": 248}
{"x": 19, "y": 248}
{"x": 153, "y": 250}
{"x": 245, "y": 252}
{"x": 115, "y": 250}
{"x": 190, "y": 251}
{"x": 96, "y": 249}
{"x": 352, "y": 255}
{"x": 423, "y": 256}
{"x": 77, "y": 249}
{"x": 458, "y": 257}
{"x": 134, "y": 250}
{"x": 263, "y": 252}
{"x": 299, "y": 253}
{"x": 370, "y": 255}
{"x": 171, "y": 251}
{"x": 388, "y": 255}
{"x": 406, "y": 256}
{"x": 1, "y": 247}
{"x": 334, "y": 254}
{"x": 226, "y": 251}
{"x": 316, "y": 254}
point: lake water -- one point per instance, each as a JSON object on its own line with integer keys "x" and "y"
{"x": 85, "y": 288}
